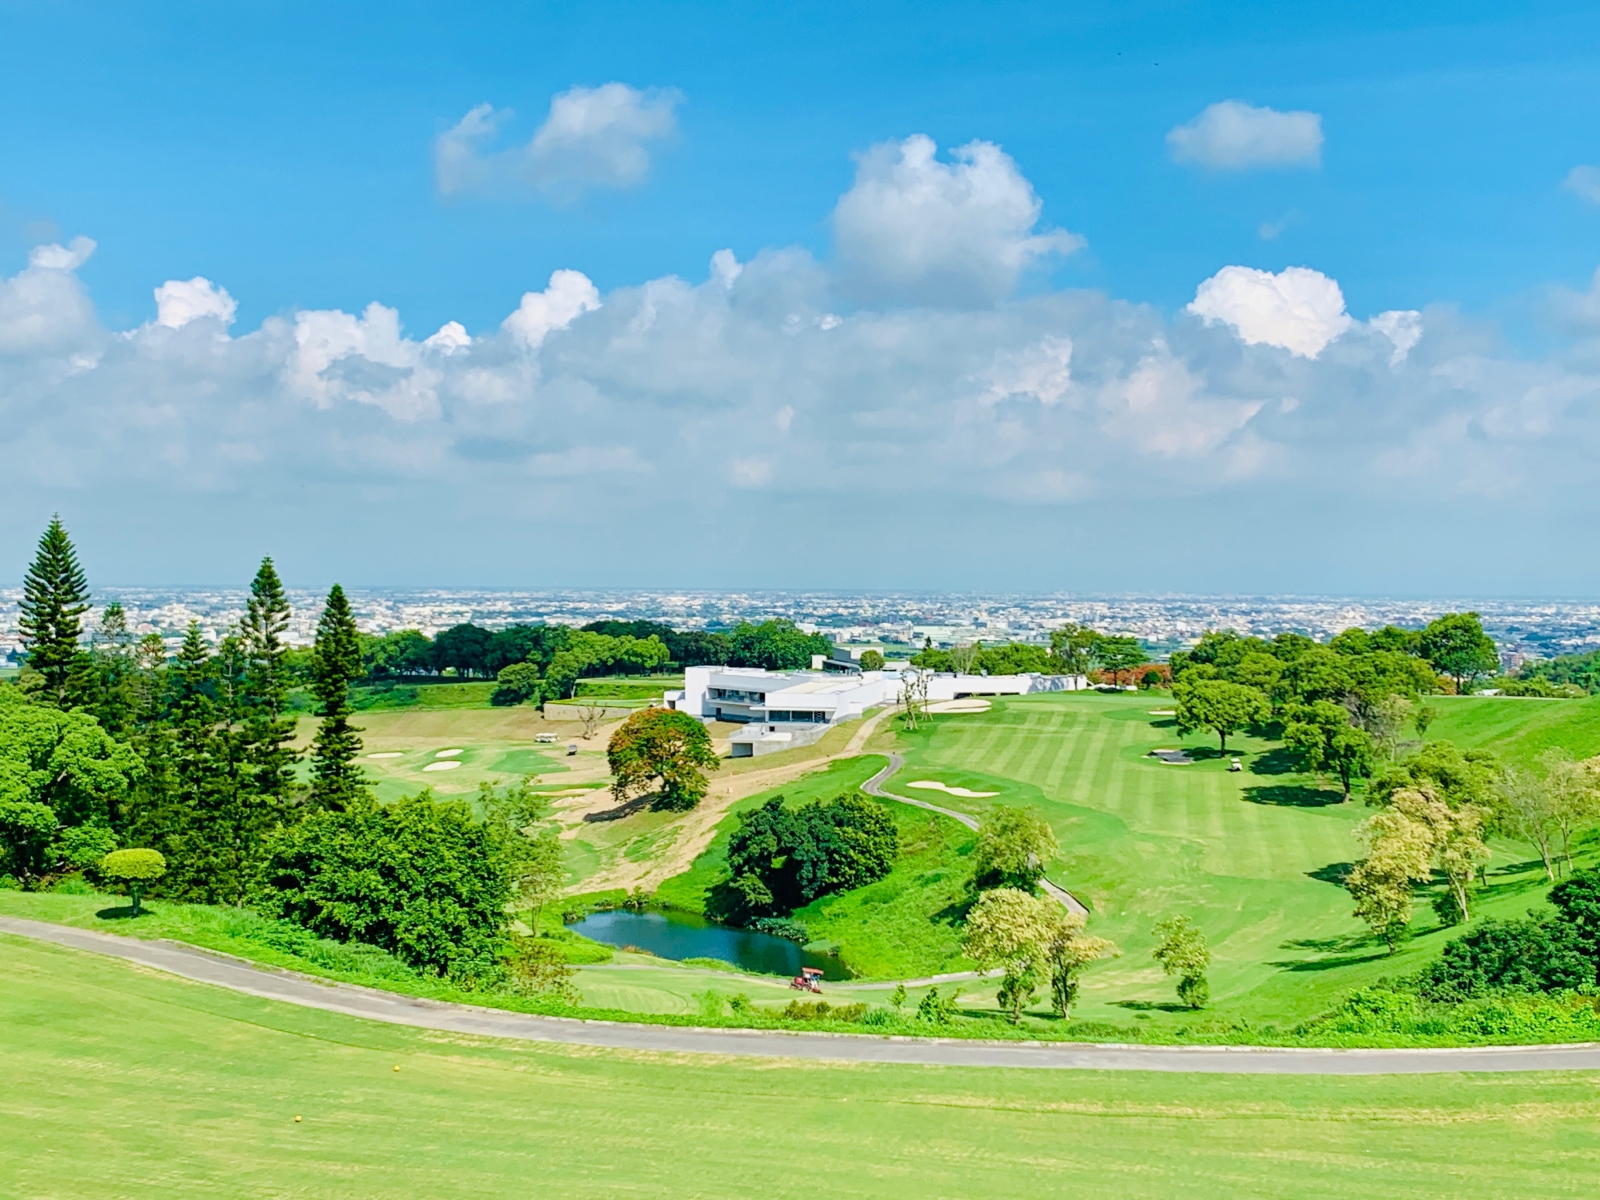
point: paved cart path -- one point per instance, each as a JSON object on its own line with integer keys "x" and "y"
{"x": 236, "y": 975}
{"x": 874, "y": 787}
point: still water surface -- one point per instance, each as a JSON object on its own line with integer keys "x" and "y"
{"x": 680, "y": 935}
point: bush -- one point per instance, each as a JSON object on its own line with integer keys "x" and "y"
{"x": 934, "y": 1009}
{"x": 821, "y": 1010}
{"x": 782, "y": 859}
{"x": 537, "y": 967}
{"x": 1523, "y": 955}
{"x": 1401, "y": 1015}
{"x": 421, "y": 878}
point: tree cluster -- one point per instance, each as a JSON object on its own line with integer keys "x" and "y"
{"x": 1555, "y": 952}
{"x": 177, "y": 776}
{"x": 1034, "y": 942}
{"x": 783, "y": 858}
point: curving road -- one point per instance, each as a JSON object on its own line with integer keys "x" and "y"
{"x": 874, "y": 787}
{"x": 368, "y": 1003}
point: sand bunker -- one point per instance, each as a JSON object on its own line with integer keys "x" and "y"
{"x": 969, "y": 705}
{"x": 386, "y": 754}
{"x": 446, "y": 753}
{"x": 449, "y": 764}
{"x": 1176, "y": 757}
{"x": 935, "y": 786}
{"x": 1163, "y": 712}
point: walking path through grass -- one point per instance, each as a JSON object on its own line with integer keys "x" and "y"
{"x": 874, "y": 787}
{"x": 395, "y": 1009}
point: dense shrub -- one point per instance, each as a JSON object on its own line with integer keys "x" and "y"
{"x": 1522, "y": 955}
{"x": 1400, "y": 1015}
{"x": 1577, "y": 899}
{"x": 420, "y": 878}
{"x": 782, "y": 858}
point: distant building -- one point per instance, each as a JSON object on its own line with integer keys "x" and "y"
{"x": 784, "y": 709}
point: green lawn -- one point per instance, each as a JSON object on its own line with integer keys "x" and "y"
{"x": 124, "y": 1083}
{"x": 1253, "y": 855}
{"x": 496, "y": 746}
{"x": 1519, "y": 728}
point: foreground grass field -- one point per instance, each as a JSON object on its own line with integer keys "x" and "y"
{"x": 126, "y": 1083}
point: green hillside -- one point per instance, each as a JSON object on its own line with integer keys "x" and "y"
{"x": 1519, "y": 729}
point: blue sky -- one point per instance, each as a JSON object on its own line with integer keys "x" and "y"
{"x": 1082, "y": 395}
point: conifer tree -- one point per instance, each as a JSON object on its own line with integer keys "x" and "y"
{"x": 55, "y": 595}
{"x": 103, "y": 679}
{"x": 265, "y": 687}
{"x": 190, "y": 808}
{"x": 336, "y": 780}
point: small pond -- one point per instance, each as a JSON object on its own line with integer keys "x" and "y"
{"x": 680, "y": 935}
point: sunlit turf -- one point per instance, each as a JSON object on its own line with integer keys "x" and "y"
{"x": 1518, "y": 728}
{"x": 1253, "y": 856}
{"x": 125, "y": 1083}
{"x": 497, "y": 746}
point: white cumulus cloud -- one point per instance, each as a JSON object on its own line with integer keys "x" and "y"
{"x": 1298, "y": 309}
{"x": 919, "y": 230}
{"x": 179, "y": 301}
{"x": 1232, "y": 135}
{"x": 592, "y": 138}
{"x": 568, "y": 296}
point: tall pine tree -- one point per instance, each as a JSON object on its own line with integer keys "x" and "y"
{"x": 268, "y": 729}
{"x": 55, "y": 595}
{"x": 189, "y": 813}
{"x": 336, "y": 780}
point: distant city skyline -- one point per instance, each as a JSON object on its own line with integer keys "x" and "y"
{"x": 1520, "y": 628}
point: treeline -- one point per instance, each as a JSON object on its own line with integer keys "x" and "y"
{"x": 533, "y": 663}
{"x": 1073, "y": 650}
{"x": 1562, "y": 675}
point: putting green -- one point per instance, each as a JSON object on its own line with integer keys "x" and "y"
{"x": 124, "y": 1083}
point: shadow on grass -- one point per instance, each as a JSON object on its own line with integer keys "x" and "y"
{"x": 637, "y": 805}
{"x": 1328, "y": 964}
{"x": 1292, "y": 795}
{"x": 1334, "y": 873}
{"x": 1278, "y": 761}
{"x": 123, "y": 913}
{"x": 1148, "y": 1006}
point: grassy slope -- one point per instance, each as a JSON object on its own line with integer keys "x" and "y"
{"x": 1249, "y": 855}
{"x": 1519, "y": 729}
{"x": 125, "y": 1083}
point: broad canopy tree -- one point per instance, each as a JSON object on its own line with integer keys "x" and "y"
{"x": 781, "y": 859}
{"x": 1458, "y": 647}
{"x": 1326, "y": 741}
{"x": 665, "y": 748}
{"x": 61, "y": 780}
{"x": 1220, "y": 706}
{"x": 1015, "y": 847}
